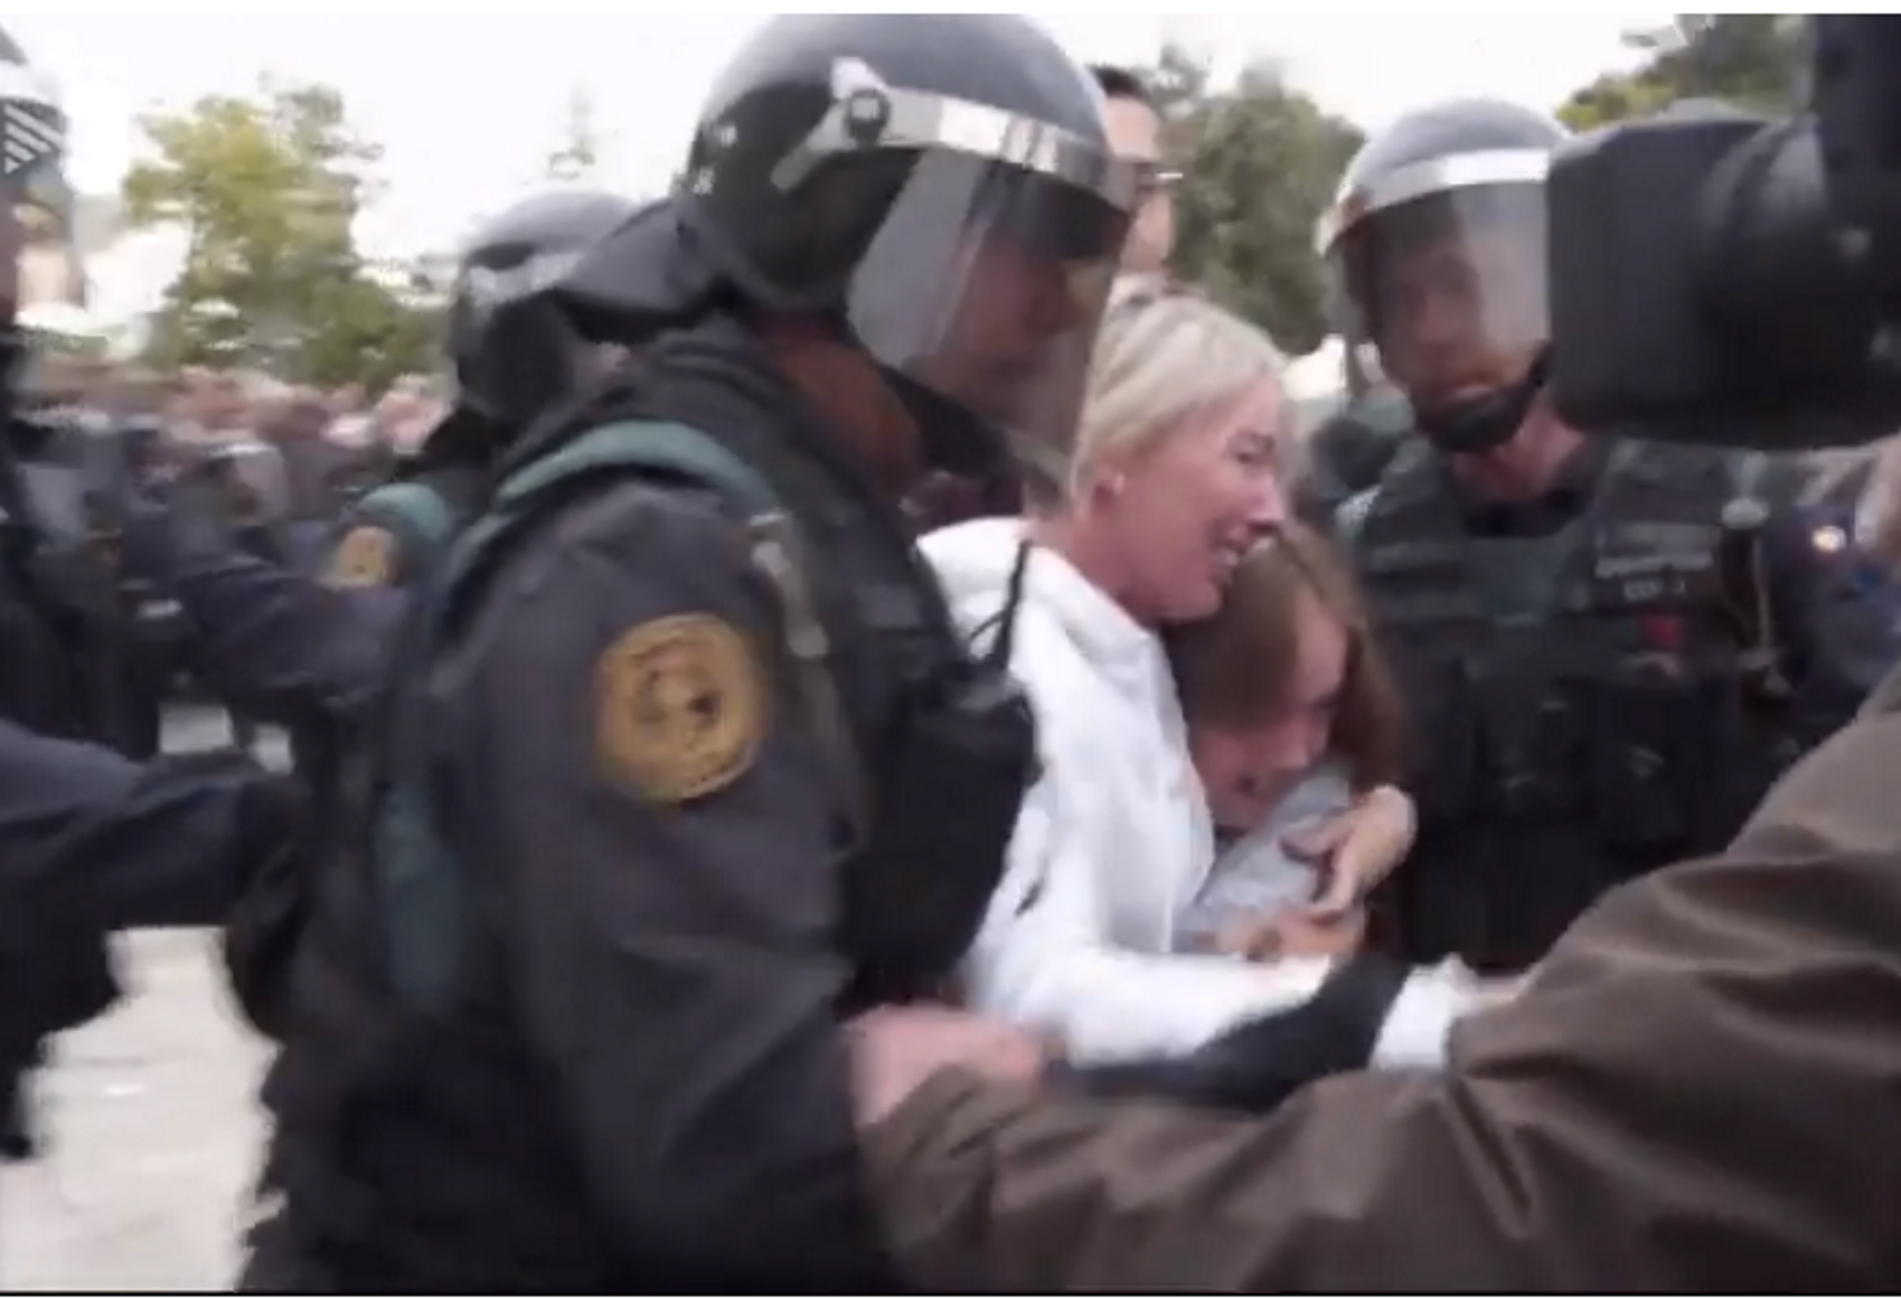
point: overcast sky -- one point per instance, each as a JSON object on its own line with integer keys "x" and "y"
{"x": 468, "y": 106}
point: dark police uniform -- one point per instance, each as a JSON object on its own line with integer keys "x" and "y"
{"x": 514, "y": 356}
{"x": 92, "y": 843}
{"x": 1348, "y": 452}
{"x": 1587, "y": 694}
{"x": 317, "y": 660}
{"x": 1605, "y": 679}
{"x": 63, "y": 632}
{"x": 687, "y": 761}
{"x": 58, "y": 603}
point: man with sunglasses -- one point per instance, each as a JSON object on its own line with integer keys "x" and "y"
{"x": 1135, "y": 134}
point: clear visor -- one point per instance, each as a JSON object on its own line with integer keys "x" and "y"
{"x": 987, "y": 277}
{"x": 986, "y": 284}
{"x": 1449, "y": 289}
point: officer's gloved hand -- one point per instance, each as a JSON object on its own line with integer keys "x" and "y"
{"x": 1255, "y": 1067}
{"x": 267, "y": 919}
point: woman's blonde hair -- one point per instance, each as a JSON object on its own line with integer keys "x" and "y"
{"x": 1164, "y": 351}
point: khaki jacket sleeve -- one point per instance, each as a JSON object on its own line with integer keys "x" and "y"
{"x": 1701, "y": 1090}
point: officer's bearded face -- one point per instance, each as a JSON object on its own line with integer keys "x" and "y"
{"x": 1460, "y": 316}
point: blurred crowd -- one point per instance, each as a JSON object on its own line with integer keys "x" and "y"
{"x": 333, "y": 443}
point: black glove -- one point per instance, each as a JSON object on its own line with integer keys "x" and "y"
{"x": 1255, "y": 1067}
{"x": 265, "y": 927}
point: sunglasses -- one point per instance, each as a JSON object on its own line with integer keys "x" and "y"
{"x": 1152, "y": 179}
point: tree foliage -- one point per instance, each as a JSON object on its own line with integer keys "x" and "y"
{"x": 1260, "y": 162}
{"x": 1752, "y": 60}
{"x": 267, "y": 188}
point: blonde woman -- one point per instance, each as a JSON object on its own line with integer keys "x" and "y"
{"x": 1174, "y": 477}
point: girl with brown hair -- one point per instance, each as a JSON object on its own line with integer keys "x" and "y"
{"x": 1295, "y": 730}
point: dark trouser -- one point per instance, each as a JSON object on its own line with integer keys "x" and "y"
{"x": 67, "y": 983}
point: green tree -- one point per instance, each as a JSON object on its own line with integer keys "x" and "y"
{"x": 579, "y": 153}
{"x": 267, "y": 188}
{"x": 1260, "y": 162}
{"x": 1752, "y": 60}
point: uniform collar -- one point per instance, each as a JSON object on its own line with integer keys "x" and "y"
{"x": 1568, "y": 496}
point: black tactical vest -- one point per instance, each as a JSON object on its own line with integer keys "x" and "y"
{"x": 1574, "y": 699}
{"x": 63, "y": 673}
{"x": 415, "y": 1135}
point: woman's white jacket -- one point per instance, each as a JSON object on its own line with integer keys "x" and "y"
{"x": 1115, "y": 842}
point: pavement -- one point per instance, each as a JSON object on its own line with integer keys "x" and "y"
{"x": 153, "y": 1127}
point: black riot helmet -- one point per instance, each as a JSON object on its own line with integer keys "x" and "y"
{"x": 937, "y": 187}
{"x": 40, "y": 274}
{"x": 1436, "y": 248}
{"x": 513, "y": 351}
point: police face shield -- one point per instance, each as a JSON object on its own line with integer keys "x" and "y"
{"x": 1442, "y": 269}
{"x": 986, "y": 279}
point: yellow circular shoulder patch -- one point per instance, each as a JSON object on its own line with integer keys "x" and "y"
{"x": 680, "y": 707}
{"x": 365, "y": 557}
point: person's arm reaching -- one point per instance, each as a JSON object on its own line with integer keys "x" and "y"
{"x": 1691, "y": 1096}
{"x": 289, "y": 649}
{"x": 92, "y": 842}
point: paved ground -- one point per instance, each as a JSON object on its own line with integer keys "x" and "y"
{"x": 154, "y": 1129}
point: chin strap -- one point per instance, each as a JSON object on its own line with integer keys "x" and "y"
{"x": 1488, "y": 422}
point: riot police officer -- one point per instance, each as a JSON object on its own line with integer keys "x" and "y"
{"x": 1611, "y": 650}
{"x": 513, "y": 355}
{"x": 62, "y": 620}
{"x": 264, "y": 636}
{"x": 313, "y": 660}
{"x": 686, "y": 760}
{"x": 57, "y": 601}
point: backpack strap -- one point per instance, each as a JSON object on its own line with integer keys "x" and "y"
{"x": 418, "y": 505}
